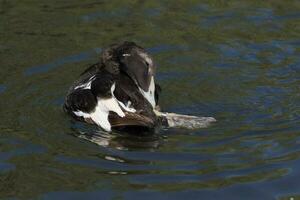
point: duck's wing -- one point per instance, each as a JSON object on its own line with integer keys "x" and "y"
{"x": 79, "y": 100}
{"x": 108, "y": 114}
{"x": 92, "y": 99}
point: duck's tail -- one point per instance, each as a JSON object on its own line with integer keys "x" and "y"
{"x": 185, "y": 121}
{"x": 169, "y": 120}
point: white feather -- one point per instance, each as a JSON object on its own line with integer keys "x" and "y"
{"x": 100, "y": 117}
{"x": 81, "y": 114}
{"x": 102, "y": 109}
{"x": 146, "y": 57}
{"x": 149, "y": 95}
{"x": 127, "y": 107}
{"x": 110, "y": 104}
{"x": 86, "y": 85}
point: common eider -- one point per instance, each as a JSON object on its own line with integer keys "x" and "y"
{"x": 120, "y": 92}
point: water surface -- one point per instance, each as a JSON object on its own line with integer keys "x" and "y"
{"x": 238, "y": 61}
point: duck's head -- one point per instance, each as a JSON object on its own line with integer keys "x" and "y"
{"x": 134, "y": 61}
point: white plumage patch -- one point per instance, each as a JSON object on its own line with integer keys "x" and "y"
{"x": 100, "y": 115}
{"x": 102, "y": 109}
{"x": 147, "y": 58}
{"x": 149, "y": 95}
{"x": 86, "y": 85}
{"x": 127, "y": 107}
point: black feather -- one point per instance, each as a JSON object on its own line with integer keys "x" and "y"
{"x": 102, "y": 83}
{"x": 157, "y": 93}
{"x": 80, "y": 100}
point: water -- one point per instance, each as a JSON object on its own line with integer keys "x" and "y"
{"x": 238, "y": 61}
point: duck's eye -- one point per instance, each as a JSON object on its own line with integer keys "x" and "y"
{"x": 147, "y": 63}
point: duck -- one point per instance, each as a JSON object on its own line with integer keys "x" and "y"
{"x": 119, "y": 92}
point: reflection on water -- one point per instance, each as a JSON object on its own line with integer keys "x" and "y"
{"x": 120, "y": 141}
{"x": 236, "y": 61}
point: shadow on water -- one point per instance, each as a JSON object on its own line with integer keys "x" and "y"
{"x": 236, "y": 61}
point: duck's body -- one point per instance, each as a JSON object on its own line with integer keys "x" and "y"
{"x": 112, "y": 94}
{"x": 120, "y": 92}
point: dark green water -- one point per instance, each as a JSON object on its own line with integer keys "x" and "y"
{"x": 238, "y": 61}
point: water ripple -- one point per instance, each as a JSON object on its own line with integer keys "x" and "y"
{"x": 2, "y": 88}
{"x": 236, "y": 61}
{"x": 69, "y": 59}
